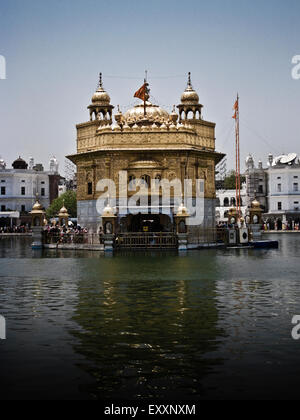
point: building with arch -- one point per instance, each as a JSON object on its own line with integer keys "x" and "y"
{"x": 19, "y": 186}
{"x": 226, "y": 199}
{"x": 149, "y": 144}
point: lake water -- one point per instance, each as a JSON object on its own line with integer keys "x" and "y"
{"x": 211, "y": 324}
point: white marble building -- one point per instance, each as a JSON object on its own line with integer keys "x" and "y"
{"x": 284, "y": 189}
{"x": 20, "y": 184}
{"x": 226, "y": 199}
{"x": 277, "y": 188}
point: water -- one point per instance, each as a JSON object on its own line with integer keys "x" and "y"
{"x": 159, "y": 326}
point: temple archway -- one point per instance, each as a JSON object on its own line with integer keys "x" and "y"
{"x": 146, "y": 223}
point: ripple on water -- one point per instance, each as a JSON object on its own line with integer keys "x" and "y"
{"x": 210, "y": 324}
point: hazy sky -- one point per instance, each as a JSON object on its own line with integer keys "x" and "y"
{"x": 55, "y": 50}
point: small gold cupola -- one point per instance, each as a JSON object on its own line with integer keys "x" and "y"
{"x": 37, "y": 214}
{"x": 190, "y": 103}
{"x": 101, "y": 108}
{"x": 63, "y": 216}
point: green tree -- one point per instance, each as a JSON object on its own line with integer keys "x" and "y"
{"x": 70, "y": 200}
{"x": 229, "y": 182}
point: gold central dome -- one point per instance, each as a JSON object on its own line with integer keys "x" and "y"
{"x": 154, "y": 114}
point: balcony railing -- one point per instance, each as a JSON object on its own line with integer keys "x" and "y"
{"x": 160, "y": 240}
{"x": 71, "y": 238}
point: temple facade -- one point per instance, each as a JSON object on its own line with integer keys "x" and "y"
{"x": 147, "y": 145}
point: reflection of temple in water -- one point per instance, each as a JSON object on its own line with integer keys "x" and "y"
{"x": 142, "y": 336}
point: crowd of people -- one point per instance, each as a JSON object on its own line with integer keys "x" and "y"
{"x": 54, "y": 233}
{"x": 281, "y": 226}
{"x": 54, "y": 228}
{"x": 14, "y": 229}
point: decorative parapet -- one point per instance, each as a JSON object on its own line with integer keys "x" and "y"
{"x": 109, "y": 138}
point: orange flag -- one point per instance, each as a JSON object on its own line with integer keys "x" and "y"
{"x": 236, "y": 107}
{"x": 141, "y": 93}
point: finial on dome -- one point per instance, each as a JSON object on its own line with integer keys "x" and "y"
{"x": 190, "y": 96}
{"x": 101, "y": 97}
{"x": 190, "y": 80}
{"x": 174, "y": 115}
{"x": 100, "y": 81}
{"x": 119, "y": 116}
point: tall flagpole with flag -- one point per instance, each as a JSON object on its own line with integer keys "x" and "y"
{"x": 143, "y": 94}
{"x": 237, "y": 155}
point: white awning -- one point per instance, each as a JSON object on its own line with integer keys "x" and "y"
{"x": 9, "y": 215}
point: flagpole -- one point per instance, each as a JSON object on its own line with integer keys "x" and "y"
{"x": 236, "y": 162}
{"x": 238, "y": 158}
{"x": 239, "y": 154}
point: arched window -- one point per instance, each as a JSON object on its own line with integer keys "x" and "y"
{"x": 188, "y": 112}
{"x": 182, "y": 227}
{"x": 226, "y": 202}
{"x": 232, "y": 201}
{"x": 146, "y": 180}
{"x": 157, "y": 179}
{"x": 132, "y": 179}
{"x": 108, "y": 228}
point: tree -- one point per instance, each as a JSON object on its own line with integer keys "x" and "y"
{"x": 70, "y": 200}
{"x": 229, "y": 182}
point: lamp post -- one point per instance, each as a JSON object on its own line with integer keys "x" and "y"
{"x": 256, "y": 219}
{"x": 63, "y": 216}
{"x": 37, "y": 223}
{"x": 109, "y": 227}
{"x": 181, "y": 227}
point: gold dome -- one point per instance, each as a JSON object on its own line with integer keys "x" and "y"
{"x": 255, "y": 204}
{"x": 108, "y": 211}
{"x": 37, "y": 208}
{"x": 182, "y": 211}
{"x": 154, "y": 114}
{"x": 190, "y": 96}
{"x": 101, "y": 97}
{"x": 63, "y": 211}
